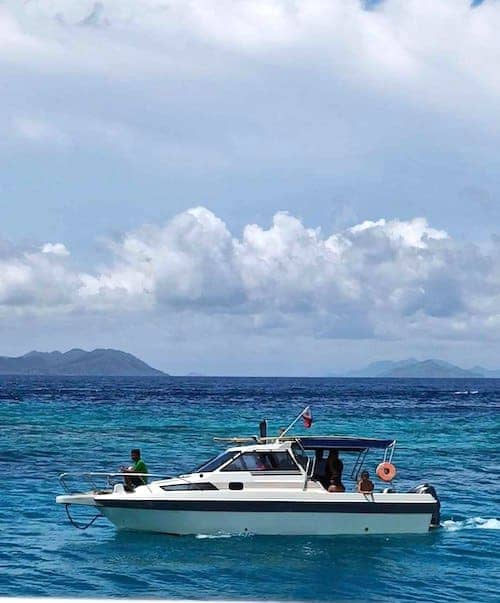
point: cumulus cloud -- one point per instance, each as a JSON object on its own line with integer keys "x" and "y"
{"x": 55, "y": 248}
{"x": 36, "y": 281}
{"x": 377, "y": 279}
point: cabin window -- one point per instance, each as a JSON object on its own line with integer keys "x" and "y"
{"x": 191, "y": 486}
{"x": 215, "y": 462}
{"x": 237, "y": 465}
{"x": 263, "y": 461}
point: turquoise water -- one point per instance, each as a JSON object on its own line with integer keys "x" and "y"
{"x": 51, "y": 425}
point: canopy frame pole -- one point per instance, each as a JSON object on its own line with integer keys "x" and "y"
{"x": 358, "y": 463}
{"x": 389, "y": 452}
{"x": 294, "y": 421}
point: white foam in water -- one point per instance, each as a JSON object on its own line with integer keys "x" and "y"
{"x": 222, "y": 535}
{"x": 473, "y": 523}
{"x": 210, "y": 536}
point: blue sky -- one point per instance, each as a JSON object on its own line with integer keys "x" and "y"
{"x": 342, "y": 157}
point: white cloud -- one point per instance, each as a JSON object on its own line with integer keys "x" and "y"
{"x": 408, "y": 234}
{"x": 55, "y": 248}
{"x": 260, "y": 65}
{"x": 274, "y": 87}
{"x": 399, "y": 40}
{"x": 251, "y": 103}
{"x": 189, "y": 262}
{"x": 36, "y": 282}
{"x": 378, "y": 279}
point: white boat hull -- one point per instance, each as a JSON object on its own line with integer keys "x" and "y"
{"x": 353, "y": 514}
{"x": 287, "y": 524}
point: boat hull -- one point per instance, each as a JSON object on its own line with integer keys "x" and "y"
{"x": 312, "y": 520}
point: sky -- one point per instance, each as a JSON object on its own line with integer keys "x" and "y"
{"x": 264, "y": 187}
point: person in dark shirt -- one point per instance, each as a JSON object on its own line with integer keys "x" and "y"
{"x": 334, "y": 468}
{"x": 138, "y": 466}
{"x": 365, "y": 484}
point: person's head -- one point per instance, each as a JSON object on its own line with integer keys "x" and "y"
{"x": 365, "y": 475}
{"x": 333, "y": 454}
{"x": 135, "y": 454}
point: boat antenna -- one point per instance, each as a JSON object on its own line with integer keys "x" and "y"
{"x": 299, "y": 416}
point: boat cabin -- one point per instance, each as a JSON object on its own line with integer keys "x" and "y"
{"x": 284, "y": 462}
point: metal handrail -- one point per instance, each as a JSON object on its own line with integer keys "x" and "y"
{"x": 89, "y": 476}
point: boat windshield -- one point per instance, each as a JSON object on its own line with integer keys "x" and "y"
{"x": 215, "y": 462}
{"x": 263, "y": 461}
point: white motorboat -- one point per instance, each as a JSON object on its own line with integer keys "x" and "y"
{"x": 264, "y": 485}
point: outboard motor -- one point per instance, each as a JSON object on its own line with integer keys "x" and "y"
{"x": 428, "y": 489}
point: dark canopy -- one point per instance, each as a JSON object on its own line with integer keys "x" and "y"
{"x": 342, "y": 443}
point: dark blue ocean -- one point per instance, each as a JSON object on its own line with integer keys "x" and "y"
{"x": 51, "y": 425}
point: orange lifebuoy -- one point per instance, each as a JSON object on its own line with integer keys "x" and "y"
{"x": 386, "y": 471}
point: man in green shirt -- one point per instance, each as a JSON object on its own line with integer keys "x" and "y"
{"x": 138, "y": 466}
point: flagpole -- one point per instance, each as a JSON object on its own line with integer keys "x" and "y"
{"x": 294, "y": 421}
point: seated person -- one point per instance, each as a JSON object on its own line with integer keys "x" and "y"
{"x": 336, "y": 485}
{"x": 365, "y": 484}
{"x": 138, "y": 466}
{"x": 261, "y": 462}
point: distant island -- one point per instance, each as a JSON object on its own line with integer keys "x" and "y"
{"x": 415, "y": 369}
{"x": 100, "y": 362}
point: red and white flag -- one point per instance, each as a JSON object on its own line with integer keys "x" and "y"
{"x": 307, "y": 417}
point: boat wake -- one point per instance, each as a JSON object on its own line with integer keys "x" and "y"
{"x": 472, "y": 523}
{"x": 466, "y": 393}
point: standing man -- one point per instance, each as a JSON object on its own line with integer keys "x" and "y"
{"x": 334, "y": 468}
{"x": 138, "y": 466}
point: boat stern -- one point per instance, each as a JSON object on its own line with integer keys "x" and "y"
{"x": 431, "y": 491}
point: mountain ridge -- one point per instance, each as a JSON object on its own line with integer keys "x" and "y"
{"x": 105, "y": 362}
{"x": 412, "y": 368}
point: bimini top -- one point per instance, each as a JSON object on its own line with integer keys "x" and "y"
{"x": 334, "y": 442}
{"x": 342, "y": 443}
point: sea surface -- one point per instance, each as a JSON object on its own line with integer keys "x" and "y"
{"x": 51, "y": 425}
